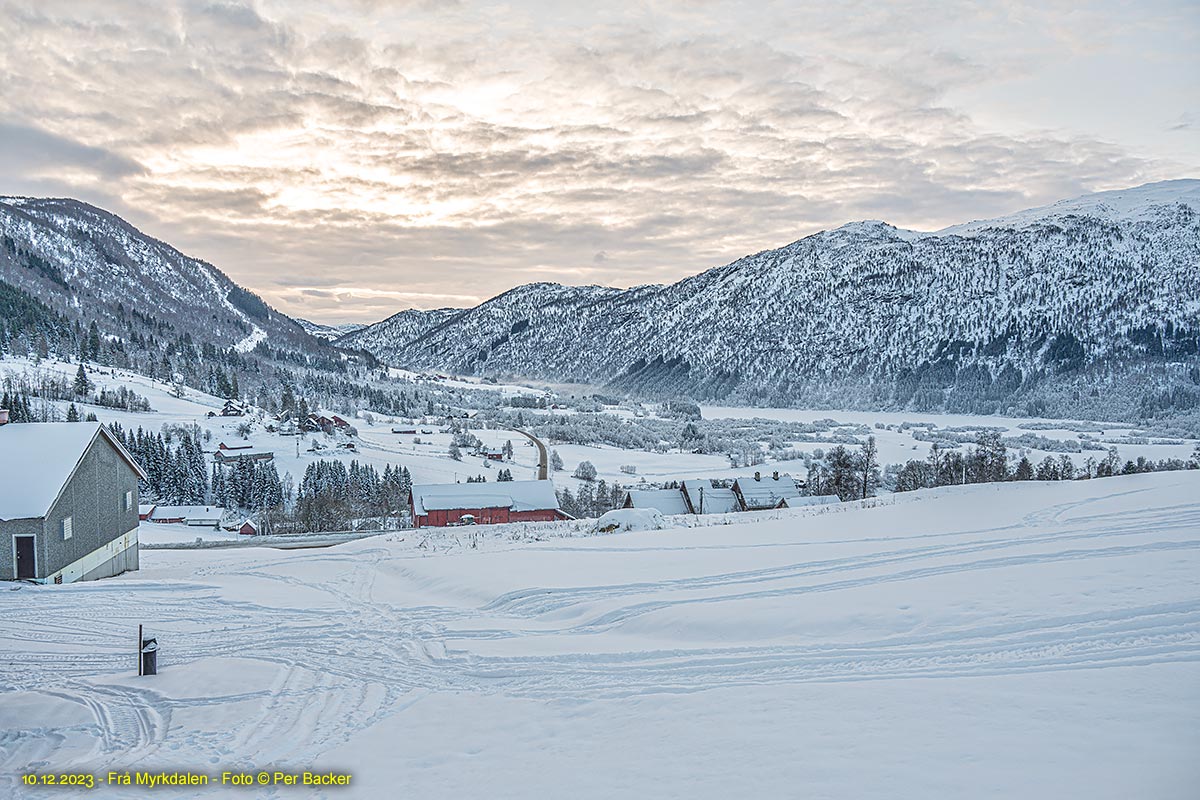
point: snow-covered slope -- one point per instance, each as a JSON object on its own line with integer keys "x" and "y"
{"x": 1150, "y": 202}
{"x": 1029, "y": 313}
{"x": 996, "y": 641}
{"x": 402, "y": 327}
{"x": 329, "y": 332}
{"x": 88, "y": 264}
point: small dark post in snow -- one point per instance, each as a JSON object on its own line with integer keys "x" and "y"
{"x": 147, "y": 653}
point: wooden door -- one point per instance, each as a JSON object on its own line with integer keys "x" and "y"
{"x": 26, "y": 565}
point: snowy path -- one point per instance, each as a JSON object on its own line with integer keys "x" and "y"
{"x": 993, "y": 626}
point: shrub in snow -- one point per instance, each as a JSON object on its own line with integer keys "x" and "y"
{"x": 630, "y": 519}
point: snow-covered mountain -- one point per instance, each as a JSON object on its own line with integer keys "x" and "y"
{"x": 405, "y": 326}
{"x": 77, "y": 282}
{"x": 329, "y": 332}
{"x": 1088, "y": 304}
{"x": 88, "y": 264}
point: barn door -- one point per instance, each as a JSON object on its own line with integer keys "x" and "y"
{"x": 26, "y": 568}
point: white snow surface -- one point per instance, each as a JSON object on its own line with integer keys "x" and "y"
{"x": 1034, "y": 640}
{"x": 251, "y": 341}
{"x": 623, "y": 520}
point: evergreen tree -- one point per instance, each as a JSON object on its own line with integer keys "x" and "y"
{"x": 566, "y": 502}
{"x": 585, "y": 500}
{"x": 72, "y": 414}
{"x": 83, "y": 385}
{"x": 287, "y": 400}
{"x": 556, "y": 462}
{"x": 1066, "y": 468}
{"x": 1024, "y": 470}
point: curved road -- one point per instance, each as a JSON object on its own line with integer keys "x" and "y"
{"x": 543, "y": 454}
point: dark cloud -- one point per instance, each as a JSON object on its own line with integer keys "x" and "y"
{"x": 32, "y": 152}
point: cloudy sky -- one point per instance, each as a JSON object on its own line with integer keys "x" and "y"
{"x": 349, "y": 158}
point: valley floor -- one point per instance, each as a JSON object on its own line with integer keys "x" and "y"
{"x": 1007, "y": 640}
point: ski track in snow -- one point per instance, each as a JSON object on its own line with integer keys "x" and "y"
{"x": 350, "y": 661}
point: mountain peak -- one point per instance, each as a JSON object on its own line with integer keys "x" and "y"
{"x": 875, "y": 229}
{"x": 1137, "y": 203}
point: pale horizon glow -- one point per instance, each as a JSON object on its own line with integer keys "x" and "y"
{"x": 350, "y": 159}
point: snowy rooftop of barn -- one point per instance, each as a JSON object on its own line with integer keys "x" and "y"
{"x": 715, "y": 501}
{"x": 666, "y": 501}
{"x": 513, "y": 495}
{"x": 766, "y": 492}
{"x": 187, "y": 512}
{"x": 36, "y": 459}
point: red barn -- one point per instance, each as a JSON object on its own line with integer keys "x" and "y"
{"x": 440, "y": 504}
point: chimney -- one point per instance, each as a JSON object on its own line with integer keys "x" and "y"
{"x": 758, "y": 476}
{"x": 3, "y": 416}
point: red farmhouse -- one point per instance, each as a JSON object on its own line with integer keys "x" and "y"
{"x": 439, "y": 504}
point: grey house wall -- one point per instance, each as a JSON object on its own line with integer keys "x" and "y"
{"x": 17, "y": 527}
{"x": 94, "y": 498}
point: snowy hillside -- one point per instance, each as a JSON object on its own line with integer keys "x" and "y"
{"x": 1148, "y": 203}
{"x": 1032, "y": 313}
{"x": 85, "y": 262}
{"x": 404, "y": 326}
{"x": 80, "y": 283}
{"x": 329, "y": 332}
{"x": 998, "y": 641}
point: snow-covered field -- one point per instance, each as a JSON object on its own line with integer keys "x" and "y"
{"x": 426, "y": 454}
{"x": 1006, "y": 640}
{"x": 897, "y": 446}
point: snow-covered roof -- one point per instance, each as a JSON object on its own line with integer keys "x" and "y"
{"x": 145, "y": 508}
{"x": 814, "y": 500}
{"x": 234, "y": 453}
{"x": 766, "y": 492}
{"x": 37, "y": 459}
{"x": 187, "y": 512}
{"x": 513, "y": 495}
{"x": 667, "y": 501}
{"x": 716, "y": 501}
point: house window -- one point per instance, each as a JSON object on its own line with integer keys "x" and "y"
{"x": 129, "y": 501}
{"x": 68, "y": 531}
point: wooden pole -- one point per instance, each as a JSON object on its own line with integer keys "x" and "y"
{"x": 139, "y": 650}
